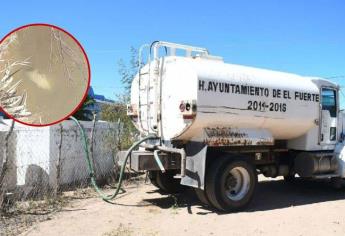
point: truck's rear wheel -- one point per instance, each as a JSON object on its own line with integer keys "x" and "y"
{"x": 166, "y": 181}
{"x": 153, "y": 178}
{"x": 201, "y": 194}
{"x": 230, "y": 185}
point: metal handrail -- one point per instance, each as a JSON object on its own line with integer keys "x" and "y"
{"x": 173, "y": 46}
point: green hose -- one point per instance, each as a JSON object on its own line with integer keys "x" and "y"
{"x": 91, "y": 167}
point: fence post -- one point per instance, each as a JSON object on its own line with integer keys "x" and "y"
{"x": 5, "y": 167}
{"x": 58, "y": 164}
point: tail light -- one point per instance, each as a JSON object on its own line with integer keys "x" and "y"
{"x": 188, "y": 109}
{"x": 182, "y": 107}
{"x": 132, "y": 110}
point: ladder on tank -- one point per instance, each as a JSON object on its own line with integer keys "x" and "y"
{"x": 170, "y": 50}
{"x": 141, "y": 90}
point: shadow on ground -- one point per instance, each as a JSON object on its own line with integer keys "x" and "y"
{"x": 269, "y": 195}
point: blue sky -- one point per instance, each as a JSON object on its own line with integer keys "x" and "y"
{"x": 303, "y": 37}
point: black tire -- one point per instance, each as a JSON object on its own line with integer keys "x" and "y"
{"x": 337, "y": 183}
{"x": 166, "y": 181}
{"x": 221, "y": 177}
{"x": 153, "y": 178}
{"x": 201, "y": 194}
{"x": 211, "y": 178}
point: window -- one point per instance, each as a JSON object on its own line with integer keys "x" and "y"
{"x": 329, "y": 101}
{"x": 333, "y": 133}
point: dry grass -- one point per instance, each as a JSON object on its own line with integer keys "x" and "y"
{"x": 23, "y": 214}
{"x": 121, "y": 230}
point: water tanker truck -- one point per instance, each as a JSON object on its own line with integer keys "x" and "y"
{"x": 216, "y": 126}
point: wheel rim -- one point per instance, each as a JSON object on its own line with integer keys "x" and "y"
{"x": 237, "y": 183}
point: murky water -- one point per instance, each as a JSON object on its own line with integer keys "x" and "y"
{"x": 55, "y": 76}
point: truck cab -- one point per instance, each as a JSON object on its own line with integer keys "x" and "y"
{"x": 327, "y": 130}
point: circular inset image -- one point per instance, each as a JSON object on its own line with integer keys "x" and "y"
{"x": 44, "y": 74}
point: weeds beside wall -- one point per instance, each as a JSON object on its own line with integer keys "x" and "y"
{"x": 117, "y": 113}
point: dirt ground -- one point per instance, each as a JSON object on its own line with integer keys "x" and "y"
{"x": 279, "y": 208}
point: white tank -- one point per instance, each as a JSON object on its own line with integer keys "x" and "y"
{"x": 224, "y": 100}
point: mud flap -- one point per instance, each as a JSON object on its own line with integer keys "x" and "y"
{"x": 195, "y": 165}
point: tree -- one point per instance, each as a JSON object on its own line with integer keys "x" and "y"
{"x": 127, "y": 72}
{"x": 118, "y": 111}
{"x": 84, "y": 112}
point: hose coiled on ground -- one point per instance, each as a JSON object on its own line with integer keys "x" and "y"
{"x": 90, "y": 166}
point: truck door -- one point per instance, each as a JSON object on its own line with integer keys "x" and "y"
{"x": 328, "y": 116}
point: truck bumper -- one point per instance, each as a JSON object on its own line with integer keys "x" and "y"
{"x": 144, "y": 160}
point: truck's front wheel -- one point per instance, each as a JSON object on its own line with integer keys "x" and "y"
{"x": 230, "y": 185}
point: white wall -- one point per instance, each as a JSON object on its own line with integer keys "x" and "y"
{"x": 35, "y": 153}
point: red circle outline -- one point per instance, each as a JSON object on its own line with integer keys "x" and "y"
{"x": 88, "y": 67}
